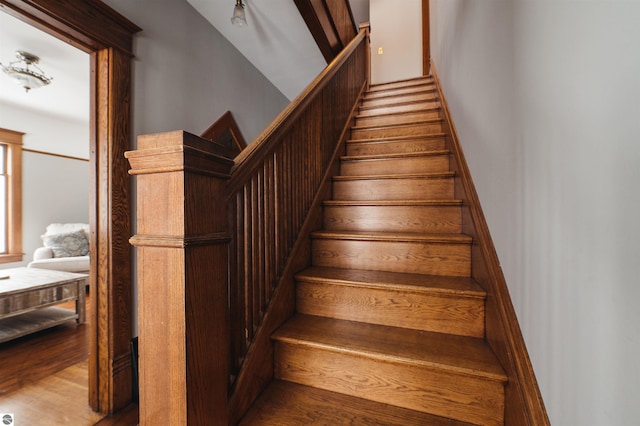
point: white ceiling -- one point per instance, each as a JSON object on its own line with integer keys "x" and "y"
{"x": 276, "y": 40}
{"x": 68, "y": 94}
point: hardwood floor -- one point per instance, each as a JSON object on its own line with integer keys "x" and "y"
{"x": 44, "y": 381}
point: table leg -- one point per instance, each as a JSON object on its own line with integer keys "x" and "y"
{"x": 80, "y": 302}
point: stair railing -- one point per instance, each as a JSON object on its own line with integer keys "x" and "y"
{"x": 214, "y": 238}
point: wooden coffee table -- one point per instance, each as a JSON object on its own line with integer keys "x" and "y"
{"x": 28, "y": 296}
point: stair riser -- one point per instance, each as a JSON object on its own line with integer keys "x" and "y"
{"x": 414, "y": 97}
{"x": 383, "y": 120}
{"x": 393, "y": 189}
{"x": 395, "y": 147}
{"x": 429, "y": 219}
{"x": 425, "y": 311}
{"x": 407, "y": 130}
{"x": 398, "y": 109}
{"x": 399, "y": 91}
{"x": 385, "y": 166}
{"x": 393, "y": 256}
{"x": 417, "y": 387}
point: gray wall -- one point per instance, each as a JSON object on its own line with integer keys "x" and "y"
{"x": 186, "y": 74}
{"x": 545, "y": 98}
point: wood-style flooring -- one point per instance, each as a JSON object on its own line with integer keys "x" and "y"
{"x": 44, "y": 379}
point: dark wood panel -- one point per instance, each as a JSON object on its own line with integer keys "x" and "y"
{"x": 330, "y": 22}
{"x": 340, "y": 12}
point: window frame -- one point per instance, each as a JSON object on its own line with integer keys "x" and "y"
{"x": 13, "y": 141}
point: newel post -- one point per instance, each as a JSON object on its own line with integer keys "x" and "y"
{"x": 182, "y": 245}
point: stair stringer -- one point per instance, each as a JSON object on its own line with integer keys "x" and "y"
{"x": 523, "y": 400}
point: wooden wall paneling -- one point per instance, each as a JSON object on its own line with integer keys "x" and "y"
{"x": 523, "y": 400}
{"x": 97, "y": 29}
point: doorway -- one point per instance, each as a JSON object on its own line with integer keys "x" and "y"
{"x": 107, "y": 36}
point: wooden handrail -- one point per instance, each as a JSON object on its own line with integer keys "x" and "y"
{"x": 245, "y": 163}
{"x": 215, "y": 236}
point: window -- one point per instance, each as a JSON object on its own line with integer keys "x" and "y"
{"x": 10, "y": 196}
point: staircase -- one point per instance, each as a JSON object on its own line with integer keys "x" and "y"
{"x": 389, "y": 326}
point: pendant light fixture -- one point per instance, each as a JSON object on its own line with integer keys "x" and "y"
{"x": 239, "y": 19}
{"x": 25, "y": 72}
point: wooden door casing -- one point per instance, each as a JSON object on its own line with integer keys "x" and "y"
{"x": 97, "y": 29}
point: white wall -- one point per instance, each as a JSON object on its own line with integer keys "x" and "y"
{"x": 546, "y": 99}
{"x": 396, "y": 27}
{"x": 54, "y": 189}
{"x": 186, "y": 74}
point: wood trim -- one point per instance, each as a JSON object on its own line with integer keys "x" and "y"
{"x": 218, "y": 130}
{"x": 426, "y": 41}
{"x": 97, "y": 29}
{"x": 523, "y": 400}
{"x": 13, "y": 141}
{"x": 52, "y": 154}
{"x": 316, "y": 28}
{"x": 11, "y": 136}
{"x": 89, "y": 25}
{"x": 327, "y": 23}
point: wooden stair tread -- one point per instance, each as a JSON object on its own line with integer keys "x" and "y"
{"x": 392, "y": 109}
{"x": 394, "y": 236}
{"x": 379, "y": 94}
{"x": 395, "y": 156}
{"x": 390, "y": 87}
{"x": 363, "y": 203}
{"x": 437, "y": 175}
{"x": 398, "y": 126}
{"x": 399, "y": 114}
{"x": 401, "y": 83}
{"x": 465, "y": 355}
{"x": 287, "y": 403}
{"x": 399, "y": 138}
{"x": 460, "y": 286}
{"x": 373, "y": 105}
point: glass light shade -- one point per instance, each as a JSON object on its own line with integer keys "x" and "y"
{"x": 238, "y": 19}
{"x": 27, "y": 79}
{"x": 29, "y": 76}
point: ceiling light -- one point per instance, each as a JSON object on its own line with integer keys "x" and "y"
{"x": 239, "y": 19}
{"x": 25, "y": 72}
